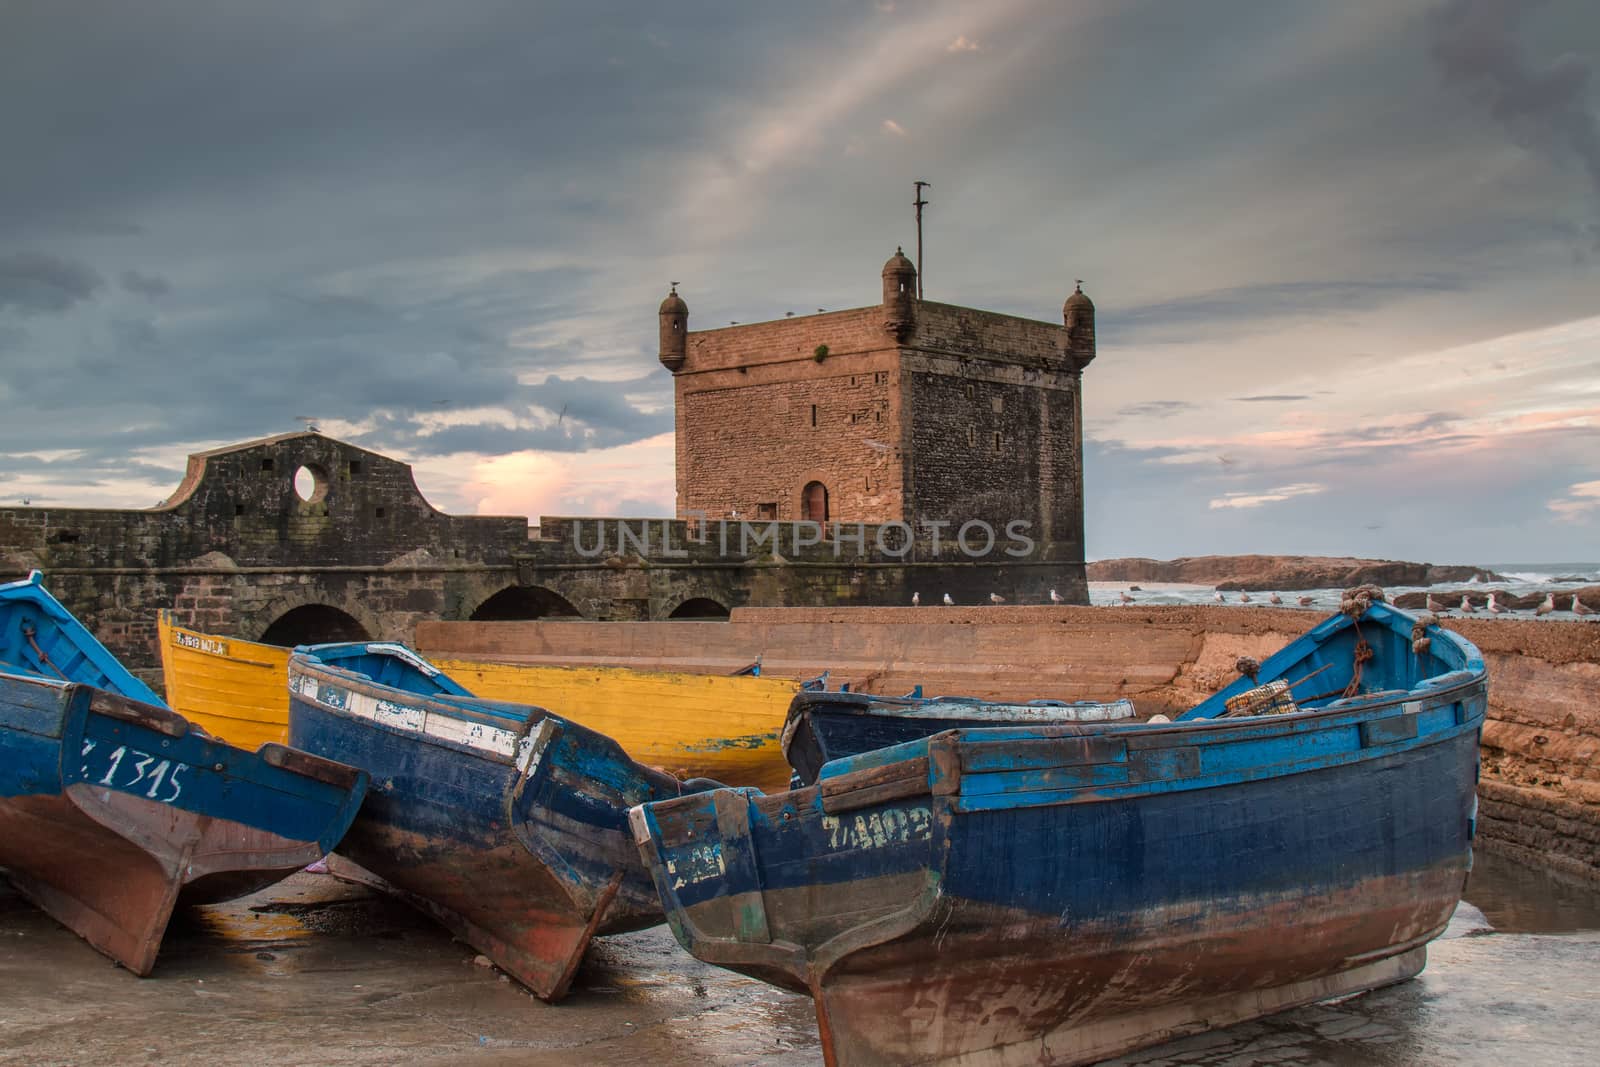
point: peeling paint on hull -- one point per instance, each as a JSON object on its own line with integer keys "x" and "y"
{"x": 504, "y": 823}
{"x": 1084, "y": 891}
{"x": 107, "y": 823}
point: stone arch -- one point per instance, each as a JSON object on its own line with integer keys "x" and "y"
{"x": 700, "y": 607}
{"x": 525, "y": 602}
{"x": 311, "y": 624}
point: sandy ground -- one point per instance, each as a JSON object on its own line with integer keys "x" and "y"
{"x": 315, "y": 972}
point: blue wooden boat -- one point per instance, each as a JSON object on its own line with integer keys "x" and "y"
{"x": 822, "y": 727}
{"x": 114, "y": 809}
{"x": 505, "y": 823}
{"x": 1064, "y": 894}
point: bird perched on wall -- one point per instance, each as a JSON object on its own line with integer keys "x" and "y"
{"x": 1494, "y": 605}
{"x": 1125, "y": 598}
{"x": 1548, "y": 606}
{"x": 996, "y": 598}
{"x": 947, "y": 599}
{"x": 1579, "y": 607}
{"x": 916, "y": 600}
{"x": 1055, "y": 597}
{"x": 1274, "y": 599}
{"x": 1244, "y": 598}
{"x": 1433, "y": 603}
{"x": 1304, "y": 602}
{"x": 1466, "y": 606}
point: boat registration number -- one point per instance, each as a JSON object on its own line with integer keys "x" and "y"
{"x": 128, "y": 770}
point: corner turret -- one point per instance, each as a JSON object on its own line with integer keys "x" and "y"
{"x": 899, "y": 295}
{"x": 1078, "y": 315}
{"x": 674, "y": 315}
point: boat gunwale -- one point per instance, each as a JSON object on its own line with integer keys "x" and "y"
{"x": 302, "y": 666}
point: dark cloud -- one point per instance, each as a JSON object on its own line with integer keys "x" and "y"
{"x": 1272, "y": 398}
{"x": 1546, "y": 107}
{"x": 1159, "y": 409}
{"x": 149, "y": 285}
{"x": 37, "y": 282}
{"x": 1259, "y": 306}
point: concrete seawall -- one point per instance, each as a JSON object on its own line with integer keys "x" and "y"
{"x": 1540, "y": 793}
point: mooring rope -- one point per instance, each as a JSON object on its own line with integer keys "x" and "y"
{"x": 28, "y": 631}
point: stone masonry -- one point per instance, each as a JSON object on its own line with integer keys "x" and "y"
{"x": 904, "y": 412}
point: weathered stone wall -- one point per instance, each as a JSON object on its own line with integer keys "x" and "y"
{"x": 236, "y": 548}
{"x": 1540, "y": 791}
{"x": 945, "y": 414}
{"x": 759, "y": 416}
{"x": 238, "y": 552}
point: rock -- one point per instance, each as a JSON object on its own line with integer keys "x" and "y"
{"x": 482, "y": 961}
{"x": 1264, "y": 573}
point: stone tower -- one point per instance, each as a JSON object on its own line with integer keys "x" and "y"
{"x": 906, "y": 411}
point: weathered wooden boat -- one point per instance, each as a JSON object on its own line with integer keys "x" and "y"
{"x": 1064, "y": 894}
{"x": 691, "y": 725}
{"x": 505, "y": 823}
{"x": 825, "y": 726}
{"x": 114, "y": 809}
{"x": 233, "y": 688}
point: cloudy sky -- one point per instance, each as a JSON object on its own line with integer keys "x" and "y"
{"x": 1346, "y": 255}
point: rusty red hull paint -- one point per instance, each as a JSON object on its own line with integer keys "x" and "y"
{"x": 1066, "y": 894}
{"x": 111, "y": 866}
{"x": 502, "y": 901}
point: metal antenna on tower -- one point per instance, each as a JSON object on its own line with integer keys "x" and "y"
{"x": 919, "y": 204}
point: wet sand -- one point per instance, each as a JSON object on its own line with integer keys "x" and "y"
{"x": 316, "y": 972}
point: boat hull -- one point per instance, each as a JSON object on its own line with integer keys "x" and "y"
{"x": 992, "y": 897}
{"x": 722, "y": 727}
{"x": 233, "y": 689}
{"x": 112, "y": 812}
{"x": 510, "y": 831}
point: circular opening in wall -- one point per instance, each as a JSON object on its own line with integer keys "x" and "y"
{"x": 311, "y": 484}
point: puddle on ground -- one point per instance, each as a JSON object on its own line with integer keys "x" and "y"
{"x": 1518, "y": 898}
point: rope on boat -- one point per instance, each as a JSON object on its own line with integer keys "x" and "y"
{"x": 1355, "y": 603}
{"x": 28, "y": 631}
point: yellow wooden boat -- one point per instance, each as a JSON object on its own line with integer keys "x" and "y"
{"x": 724, "y": 727}
{"x": 237, "y": 690}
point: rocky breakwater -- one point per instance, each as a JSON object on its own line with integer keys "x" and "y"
{"x": 1260, "y": 573}
{"x": 1478, "y": 597}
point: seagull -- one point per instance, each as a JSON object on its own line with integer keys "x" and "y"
{"x": 1219, "y": 598}
{"x": 1494, "y": 605}
{"x": 1548, "y": 606}
{"x": 916, "y": 600}
{"x": 947, "y": 599}
{"x": 996, "y": 598}
{"x": 1579, "y": 607}
{"x": 1433, "y": 604}
{"x": 1274, "y": 599}
{"x": 1466, "y": 606}
{"x": 1304, "y": 602}
{"x": 1055, "y": 597}
{"x": 1244, "y": 598}
{"x": 1125, "y": 598}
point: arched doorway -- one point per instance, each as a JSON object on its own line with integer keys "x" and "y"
{"x": 814, "y": 502}
{"x": 700, "y": 607}
{"x": 525, "y": 602}
{"x": 314, "y": 624}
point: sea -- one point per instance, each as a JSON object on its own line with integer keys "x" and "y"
{"x": 1521, "y": 579}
